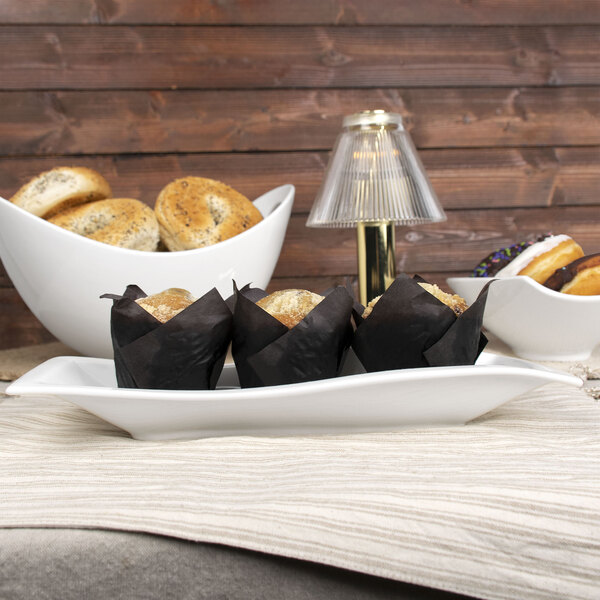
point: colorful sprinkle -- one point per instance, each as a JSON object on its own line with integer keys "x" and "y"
{"x": 497, "y": 260}
{"x": 490, "y": 265}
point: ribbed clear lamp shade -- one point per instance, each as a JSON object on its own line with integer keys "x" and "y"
{"x": 374, "y": 176}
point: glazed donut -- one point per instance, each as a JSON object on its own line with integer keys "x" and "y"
{"x": 289, "y": 306}
{"x": 53, "y": 191}
{"x": 580, "y": 277}
{"x": 453, "y": 301}
{"x": 194, "y": 212}
{"x": 165, "y": 305}
{"x": 538, "y": 258}
{"x": 123, "y": 222}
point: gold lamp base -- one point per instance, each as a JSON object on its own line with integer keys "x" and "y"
{"x": 376, "y": 259}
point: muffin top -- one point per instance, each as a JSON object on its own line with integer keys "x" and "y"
{"x": 290, "y": 306}
{"x": 453, "y": 301}
{"x": 165, "y": 305}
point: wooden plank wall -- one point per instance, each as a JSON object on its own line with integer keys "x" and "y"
{"x": 502, "y": 98}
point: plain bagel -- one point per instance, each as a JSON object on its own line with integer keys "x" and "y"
{"x": 194, "y": 212}
{"x": 63, "y": 187}
{"x": 122, "y": 222}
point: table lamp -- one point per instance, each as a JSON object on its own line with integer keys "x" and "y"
{"x": 374, "y": 181}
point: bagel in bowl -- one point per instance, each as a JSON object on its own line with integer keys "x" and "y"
{"x": 194, "y": 212}
{"x": 60, "y": 188}
{"x": 123, "y": 222}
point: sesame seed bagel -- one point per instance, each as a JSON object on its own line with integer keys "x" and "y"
{"x": 194, "y": 212}
{"x": 122, "y": 222}
{"x": 53, "y": 191}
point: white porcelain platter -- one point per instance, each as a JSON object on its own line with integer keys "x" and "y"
{"x": 362, "y": 402}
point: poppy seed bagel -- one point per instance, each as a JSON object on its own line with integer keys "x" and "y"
{"x": 194, "y": 212}
{"x": 52, "y": 191}
{"x": 122, "y": 222}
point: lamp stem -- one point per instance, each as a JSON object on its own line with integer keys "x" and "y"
{"x": 376, "y": 259}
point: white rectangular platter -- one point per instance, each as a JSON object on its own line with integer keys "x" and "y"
{"x": 360, "y": 402}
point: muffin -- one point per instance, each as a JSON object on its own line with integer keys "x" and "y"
{"x": 290, "y": 336}
{"x": 169, "y": 340}
{"x": 415, "y": 324}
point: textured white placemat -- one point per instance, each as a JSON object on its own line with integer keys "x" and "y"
{"x": 505, "y": 507}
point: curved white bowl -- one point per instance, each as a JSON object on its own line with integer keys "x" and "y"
{"x": 535, "y": 322}
{"x": 61, "y": 275}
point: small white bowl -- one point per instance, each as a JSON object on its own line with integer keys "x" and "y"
{"x": 537, "y": 323}
{"x": 61, "y": 275}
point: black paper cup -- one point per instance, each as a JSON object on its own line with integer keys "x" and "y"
{"x": 267, "y": 353}
{"x": 185, "y": 353}
{"x": 409, "y": 327}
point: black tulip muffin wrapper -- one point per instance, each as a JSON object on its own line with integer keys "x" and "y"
{"x": 267, "y": 353}
{"x": 185, "y": 353}
{"x": 409, "y": 327}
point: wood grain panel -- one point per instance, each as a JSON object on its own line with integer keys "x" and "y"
{"x": 577, "y": 182}
{"x": 18, "y": 326}
{"x": 314, "y": 12}
{"x": 462, "y": 178}
{"x": 457, "y": 245}
{"x": 129, "y": 57}
{"x": 38, "y": 123}
{"x": 502, "y": 98}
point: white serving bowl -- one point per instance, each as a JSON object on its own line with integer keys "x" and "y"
{"x": 537, "y": 323}
{"x": 61, "y": 275}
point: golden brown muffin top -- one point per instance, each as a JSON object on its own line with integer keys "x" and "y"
{"x": 290, "y": 306}
{"x": 453, "y": 301}
{"x": 165, "y": 305}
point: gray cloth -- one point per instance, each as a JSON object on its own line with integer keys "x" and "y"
{"x": 72, "y": 564}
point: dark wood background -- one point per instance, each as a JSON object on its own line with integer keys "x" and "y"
{"x": 502, "y": 98}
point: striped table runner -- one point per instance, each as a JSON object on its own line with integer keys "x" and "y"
{"x": 505, "y": 507}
